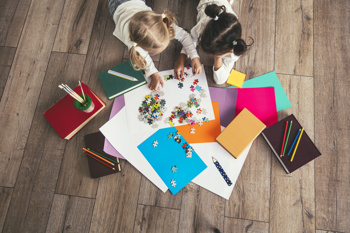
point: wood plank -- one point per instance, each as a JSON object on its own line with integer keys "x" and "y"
{"x": 6, "y": 57}
{"x": 25, "y": 79}
{"x": 5, "y": 198}
{"x": 78, "y": 216}
{"x": 70, "y": 214}
{"x": 322, "y": 231}
{"x": 105, "y": 50}
{"x": 116, "y": 201}
{"x": 74, "y": 178}
{"x": 294, "y": 37}
{"x": 251, "y": 194}
{"x": 331, "y": 114}
{"x": 201, "y": 210}
{"x": 258, "y": 21}
{"x": 292, "y": 203}
{"x": 156, "y": 219}
{"x": 75, "y": 27}
{"x": 58, "y": 213}
{"x": 151, "y": 195}
{"x": 13, "y": 15}
{"x": 248, "y": 226}
{"x": 34, "y": 191}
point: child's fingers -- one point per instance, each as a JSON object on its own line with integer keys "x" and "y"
{"x": 178, "y": 74}
{"x": 197, "y": 70}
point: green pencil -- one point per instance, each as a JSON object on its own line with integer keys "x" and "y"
{"x": 285, "y": 145}
{"x": 112, "y": 160}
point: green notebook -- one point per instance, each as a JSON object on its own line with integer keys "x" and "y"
{"x": 118, "y": 80}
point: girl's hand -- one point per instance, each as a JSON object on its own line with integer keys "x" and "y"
{"x": 196, "y": 66}
{"x": 155, "y": 80}
{"x": 180, "y": 66}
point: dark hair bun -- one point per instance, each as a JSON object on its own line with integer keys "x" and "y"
{"x": 214, "y": 10}
{"x": 240, "y": 47}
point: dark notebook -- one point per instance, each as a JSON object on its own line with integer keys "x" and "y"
{"x": 115, "y": 85}
{"x": 95, "y": 142}
{"x": 305, "y": 152}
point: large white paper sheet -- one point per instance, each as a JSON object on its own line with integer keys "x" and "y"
{"x": 117, "y": 133}
{"x": 211, "y": 178}
{"x": 173, "y": 96}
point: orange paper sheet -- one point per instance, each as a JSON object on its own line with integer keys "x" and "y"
{"x": 208, "y": 132}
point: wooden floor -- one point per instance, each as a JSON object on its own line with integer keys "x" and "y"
{"x": 44, "y": 181}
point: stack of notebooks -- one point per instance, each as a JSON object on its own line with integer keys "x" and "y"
{"x": 66, "y": 119}
{"x": 306, "y": 150}
{"x": 121, "y": 79}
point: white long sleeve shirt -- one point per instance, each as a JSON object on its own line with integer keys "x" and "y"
{"x": 221, "y": 75}
{"x": 122, "y": 18}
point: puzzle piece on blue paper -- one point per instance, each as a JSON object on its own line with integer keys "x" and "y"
{"x": 155, "y": 143}
{"x": 173, "y": 183}
{"x": 174, "y": 169}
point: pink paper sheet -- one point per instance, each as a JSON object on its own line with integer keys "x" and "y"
{"x": 259, "y": 101}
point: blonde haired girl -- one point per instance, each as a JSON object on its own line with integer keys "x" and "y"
{"x": 145, "y": 32}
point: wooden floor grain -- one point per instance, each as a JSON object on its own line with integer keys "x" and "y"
{"x": 44, "y": 181}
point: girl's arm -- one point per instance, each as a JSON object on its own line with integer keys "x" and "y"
{"x": 222, "y": 67}
{"x": 189, "y": 48}
{"x": 186, "y": 40}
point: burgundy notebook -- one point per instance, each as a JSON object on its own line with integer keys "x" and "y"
{"x": 95, "y": 142}
{"x": 66, "y": 119}
{"x": 305, "y": 152}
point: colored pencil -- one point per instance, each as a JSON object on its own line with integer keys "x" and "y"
{"x": 99, "y": 160}
{"x": 285, "y": 144}
{"x": 120, "y": 75}
{"x": 290, "y": 150}
{"x": 99, "y": 156}
{"x": 284, "y": 138}
{"x": 112, "y": 160}
{"x": 296, "y": 147}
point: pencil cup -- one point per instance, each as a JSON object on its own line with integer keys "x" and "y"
{"x": 88, "y": 107}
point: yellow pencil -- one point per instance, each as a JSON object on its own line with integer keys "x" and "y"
{"x": 296, "y": 147}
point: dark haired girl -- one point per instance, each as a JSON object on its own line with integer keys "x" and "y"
{"x": 218, "y": 33}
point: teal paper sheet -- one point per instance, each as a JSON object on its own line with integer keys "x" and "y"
{"x": 270, "y": 80}
{"x": 169, "y": 158}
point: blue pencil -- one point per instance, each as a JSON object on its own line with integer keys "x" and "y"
{"x": 290, "y": 150}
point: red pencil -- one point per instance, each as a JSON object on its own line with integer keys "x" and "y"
{"x": 284, "y": 138}
{"x": 99, "y": 160}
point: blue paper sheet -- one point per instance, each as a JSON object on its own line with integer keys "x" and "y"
{"x": 168, "y": 153}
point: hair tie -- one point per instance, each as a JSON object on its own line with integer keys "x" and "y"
{"x": 216, "y": 18}
{"x": 234, "y": 42}
{"x": 134, "y": 44}
{"x": 163, "y": 16}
